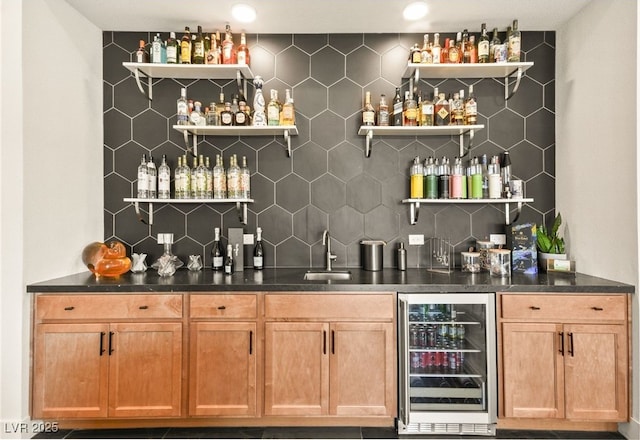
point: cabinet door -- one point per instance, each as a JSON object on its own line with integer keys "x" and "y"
{"x": 222, "y": 378}
{"x": 145, "y": 369}
{"x": 532, "y": 370}
{"x": 361, "y": 372}
{"x": 70, "y": 371}
{"x": 596, "y": 365}
{"x": 296, "y": 368}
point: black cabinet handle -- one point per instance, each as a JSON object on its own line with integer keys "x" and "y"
{"x": 333, "y": 342}
{"x": 143, "y": 307}
{"x": 597, "y": 309}
{"x": 111, "y": 343}
{"x": 250, "y": 342}
{"x": 561, "y": 343}
{"x": 571, "y": 344}
{"x": 324, "y": 342}
{"x": 102, "y": 335}
{"x": 69, "y": 308}
{"x": 534, "y": 307}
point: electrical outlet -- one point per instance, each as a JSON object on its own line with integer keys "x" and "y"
{"x": 498, "y": 239}
{"x": 247, "y": 239}
{"x": 416, "y": 239}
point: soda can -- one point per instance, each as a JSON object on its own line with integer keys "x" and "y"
{"x": 426, "y": 361}
{"x": 439, "y": 356}
{"x": 415, "y": 360}
{"x": 460, "y": 361}
{"x": 445, "y": 360}
{"x": 431, "y": 336}
{"x": 422, "y": 336}
{"x": 453, "y": 331}
{"x": 443, "y": 330}
{"x": 453, "y": 360}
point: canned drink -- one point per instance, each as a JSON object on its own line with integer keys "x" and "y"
{"x": 453, "y": 360}
{"x": 431, "y": 336}
{"x": 415, "y": 360}
{"x": 413, "y": 335}
{"x": 443, "y": 330}
{"x": 445, "y": 360}
{"x": 461, "y": 331}
{"x": 438, "y": 359}
{"x": 453, "y": 331}
{"x": 460, "y": 361}
{"x": 425, "y": 360}
{"x": 422, "y": 336}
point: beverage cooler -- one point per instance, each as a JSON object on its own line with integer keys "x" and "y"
{"x": 447, "y": 363}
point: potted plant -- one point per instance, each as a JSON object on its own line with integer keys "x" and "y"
{"x": 550, "y": 244}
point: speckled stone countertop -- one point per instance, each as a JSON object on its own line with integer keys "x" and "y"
{"x": 291, "y": 280}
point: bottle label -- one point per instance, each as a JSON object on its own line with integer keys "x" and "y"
{"x": 443, "y": 113}
{"x": 172, "y": 54}
{"x": 226, "y": 118}
{"x": 411, "y": 113}
{"x": 217, "y": 262}
{"x": 383, "y": 118}
{"x": 273, "y": 113}
{"x": 427, "y": 109}
{"x": 198, "y": 49}
{"x": 514, "y": 49}
{"x": 242, "y": 57}
{"x": 241, "y": 118}
{"x": 483, "y": 49}
{"x": 368, "y": 117}
{"x": 185, "y": 52}
{"x": 435, "y": 54}
{"x": 257, "y": 262}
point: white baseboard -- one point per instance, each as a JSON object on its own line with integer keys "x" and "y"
{"x": 630, "y": 430}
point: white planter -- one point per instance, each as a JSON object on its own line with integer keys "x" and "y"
{"x": 543, "y": 257}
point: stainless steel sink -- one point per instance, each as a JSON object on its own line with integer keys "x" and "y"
{"x": 327, "y": 275}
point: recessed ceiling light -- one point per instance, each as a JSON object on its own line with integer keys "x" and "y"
{"x": 415, "y": 11}
{"x": 243, "y": 13}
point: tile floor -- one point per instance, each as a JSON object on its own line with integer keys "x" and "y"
{"x": 304, "y": 433}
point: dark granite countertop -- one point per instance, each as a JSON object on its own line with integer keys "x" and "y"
{"x": 291, "y": 280}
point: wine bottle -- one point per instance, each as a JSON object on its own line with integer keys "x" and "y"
{"x": 185, "y": 47}
{"x": 258, "y": 251}
{"x": 217, "y": 256}
{"x": 152, "y": 174}
{"x": 229, "y": 264}
{"x": 164, "y": 179}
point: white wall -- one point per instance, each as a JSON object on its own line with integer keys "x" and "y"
{"x": 596, "y": 149}
{"x": 51, "y": 198}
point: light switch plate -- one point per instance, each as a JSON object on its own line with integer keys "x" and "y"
{"x": 498, "y": 239}
{"x": 247, "y": 239}
{"x": 416, "y": 239}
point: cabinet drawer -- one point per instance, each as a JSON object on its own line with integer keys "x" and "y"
{"x": 98, "y": 306}
{"x": 330, "y": 306}
{"x": 565, "y": 307}
{"x": 223, "y": 306}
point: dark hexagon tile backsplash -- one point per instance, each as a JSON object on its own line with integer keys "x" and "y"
{"x": 328, "y": 183}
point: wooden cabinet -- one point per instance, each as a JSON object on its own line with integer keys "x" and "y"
{"x": 115, "y": 367}
{"x": 564, "y": 357}
{"x": 223, "y": 355}
{"x": 315, "y": 361}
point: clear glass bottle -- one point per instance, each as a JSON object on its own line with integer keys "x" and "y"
{"x": 426, "y": 112}
{"x": 156, "y": 50}
{"x": 240, "y": 117}
{"x": 187, "y": 181}
{"x": 220, "y": 105}
{"x": 172, "y": 49}
{"x": 368, "y": 112}
{"x": 142, "y": 56}
{"x": 219, "y": 179}
{"x": 245, "y": 180}
{"x": 273, "y": 109}
{"x": 457, "y": 109}
{"x": 228, "y": 48}
{"x": 471, "y": 108}
{"x": 164, "y": 179}
{"x": 259, "y": 117}
{"x": 200, "y": 181}
{"x": 383, "y": 111}
{"x": 514, "y": 44}
{"x": 185, "y": 47}
{"x": 198, "y": 48}
{"x": 288, "y": 114}
{"x": 457, "y": 176}
{"x": 410, "y": 110}
{"x": 196, "y": 117}
{"x": 494, "y": 45}
{"x": 212, "y": 56}
{"x": 258, "y": 251}
{"x": 177, "y": 180}
{"x": 229, "y": 263}
{"x": 217, "y": 254}
{"x": 143, "y": 178}
{"x": 436, "y": 50}
{"x": 183, "y": 108}
{"x": 152, "y": 174}
{"x": 425, "y": 52}
{"x": 431, "y": 179}
{"x": 233, "y": 179}
{"x": 243, "y": 57}
{"x": 207, "y": 165}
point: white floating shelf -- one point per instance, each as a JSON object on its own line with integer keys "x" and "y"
{"x": 473, "y": 70}
{"x": 190, "y": 71}
{"x": 414, "y": 205}
{"x": 241, "y": 205}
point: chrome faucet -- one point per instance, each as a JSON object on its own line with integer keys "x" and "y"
{"x": 326, "y": 241}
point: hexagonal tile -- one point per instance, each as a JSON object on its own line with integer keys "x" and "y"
{"x": 262, "y": 192}
{"x": 327, "y": 66}
{"x": 550, "y": 96}
{"x": 488, "y": 219}
{"x": 526, "y": 160}
{"x": 310, "y": 43}
{"x": 186, "y": 246}
{"x": 542, "y": 189}
{"x": 541, "y": 128}
{"x": 453, "y": 223}
{"x": 544, "y": 66}
{"x": 117, "y": 128}
{"x": 276, "y": 224}
{"x": 118, "y": 188}
{"x": 380, "y": 43}
{"x": 363, "y": 193}
{"x": 107, "y": 160}
{"x": 311, "y": 98}
{"x": 266, "y": 60}
{"x": 150, "y": 129}
{"x": 346, "y": 161}
{"x": 328, "y": 193}
{"x": 309, "y": 223}
{"x": 293, "y": 253}
{"x": 167, "y": 218}
{"x": 345, "y": 97}
{"x": 107, "y": 94}
{"x": 129, "y": 40}
{"x": 292, "y": 193}
{"x": 346, "y": 225}
{"x": 128, "y": 99}
{"x": 409, "y": 153}
{"x": 383, "y": 162}
{"x": 129, "y": 231}
{"x": 310, "y": 161}
{"x": 231, "y": 219}
{"x": 295, "y": 66}
{"x": 394, "y": 189}
{"x": 272, "y": 164}
{"x": 200, "y": 224}
{"x": 506, "y": 128}
{"x": 274, "y": 43}
{"x": 165, "y": 95}
{"x": 128, "y": 158}
{"x": 345, "y": 43}
{"x": 381, "y": 223}
{"x": 327, "y": 130}
{"x": 490, "y": 95}
{"x": 528, "y": 99}
{"x": 112, "y": 69}
{"x": 532, "y": 40}
{"x": 394, "y": 63}
{"x": 363, "y": 65}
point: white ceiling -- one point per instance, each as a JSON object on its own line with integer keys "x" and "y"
{"x": 327, "y": 16}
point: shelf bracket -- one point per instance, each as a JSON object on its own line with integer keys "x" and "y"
{"x": 508, "y": 95}
{"x": 149, "y": 92}
{"x": 464, "y": 151}
{"x": 507, "y": 214}
{"x": 136, "y": 206}
{"x": 367, "y": 142}
{"x": 241, "y": 207}
{"x": 241, "y": 82}
{"x": 414, "y": 210}
{"x": 287, "y": 139}
{"x": 193, "y": 150}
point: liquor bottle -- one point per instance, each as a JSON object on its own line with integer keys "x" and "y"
{"x": 436, "y": 50}
{"x": 243, "y": 56}
{"x": 273, "y": 109}
{"x": 471, "y": 108}
{"x": 258, "y": 251}
{"x": 245, "y": 180}
{"x": 228, "y": 48}
{"x": 229, "y": 264}
{"x": 183, "y": 108}
{"x": 494, "y": 45}
{"x": 513, "y": 48}
{"x": 217, "y": 256}
{"x": 196, "y": 117}
{"x": 444, "y": 52}
{"x": 172, "y": 49}
{"x": 220, "y": 105}
{"x": 473, "y": 49}
{"x": 200, "y": 186}
{"x": 383, "y": 111}
{"x": 177, "y": 180}
{"x": 212, "y": 56}
{"x": 187, "y": 179}
{"x": 466, "y": 54}
{"x": 415, "y": 54}
{"x": 425, "y": 53}
{"x": 288, "y": 115}
{"x": 397, "y": 108}
{"x": 209, "y": 170}
{"x": 259, "y": 116}
{"x": 455, "y": 56}
{"x": 417, "y": 179}
{"x": 457, "y": 108}
{"x": 143, "y": 179}
{"x": 234, "y": 106}
{"x": 198, "y": 48}
{"x": 233, "y": 179}
{"x": 164, "y": 179}
{"x": 142, "y": 56}
{"x": 442, "y": 115}
{"x": 226, "y": 117}
{"x": 426, "y": 112}
{"x": 211, "y": 115}
{"x": 368, "y": 112}
{"x": 156, "y": 50}
{"x": 152, "y": 173}
{"x": 195, "y": 184}
{"x": 410, "y": 110}
{"x": 240, "y": 116}
{"x": 483, "y": 45}
{"x": 185, "y": 47}
{"x": 219, "y": 180}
